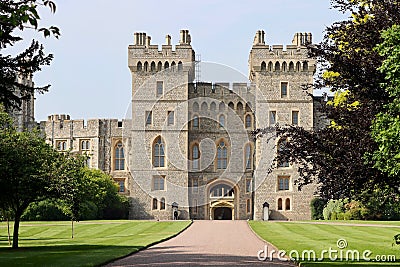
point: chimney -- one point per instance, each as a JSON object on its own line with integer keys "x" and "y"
{"x": 302, "y": 39}
{"x": 259, "y": 38}
{"x": 185, "y": 37}
{"x": 136, "y": 38}
{"x": 148, "y": 41}
{"x": 168, "y": 39}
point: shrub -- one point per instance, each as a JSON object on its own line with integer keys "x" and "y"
{"x": 45, "y": 210}
{"x": 340, "y": 216}
{"x": 317, "y": 208}
{"x": 334, "y": 206}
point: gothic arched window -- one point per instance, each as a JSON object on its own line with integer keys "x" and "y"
{"x": 195, "y": 157}
{"x": 162, "y": 203}
{"x": 222, "y": 156}
{"x": 247, "y": 156}
{"x": 248, "y": 121}
{"x": 159, "y": 153}
{"x": 221, "y": 121}
{"x": 280, "y": 204}
{"x": 119, "y": 157}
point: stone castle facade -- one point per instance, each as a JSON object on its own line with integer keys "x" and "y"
{"x": 188, "y": 145}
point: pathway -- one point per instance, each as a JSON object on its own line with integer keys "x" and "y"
{"x": 206, "y": 243}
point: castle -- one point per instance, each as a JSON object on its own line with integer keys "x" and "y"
{"x": 188, "y": 146}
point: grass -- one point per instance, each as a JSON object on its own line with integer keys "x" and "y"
{"x": 95, "y": 242}
{"x": 305, "y": 236}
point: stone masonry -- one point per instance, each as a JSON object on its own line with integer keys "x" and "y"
{"x": 188, "y": 145}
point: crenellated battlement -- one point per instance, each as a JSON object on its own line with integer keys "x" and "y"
{"x": 146, "y": 57}
{"x": 275, "y": 59}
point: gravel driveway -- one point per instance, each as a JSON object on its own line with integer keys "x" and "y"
{"x": 206, "y": 243}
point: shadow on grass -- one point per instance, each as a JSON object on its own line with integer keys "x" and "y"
{"x": 63, "y": 255}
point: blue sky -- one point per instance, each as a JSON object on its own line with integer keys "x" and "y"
{"x": 89, "y": 74}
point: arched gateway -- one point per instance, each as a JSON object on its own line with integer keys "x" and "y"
{"x": 222, "y": 202}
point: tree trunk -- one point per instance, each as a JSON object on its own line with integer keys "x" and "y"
{"x": 72, "y": 228}
{"x": 8, "y": 231}
{"x": 16, "y": 230}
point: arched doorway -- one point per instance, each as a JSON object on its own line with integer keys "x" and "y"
{"x": 222, "y": 202}
{"x": 222, "y": 213}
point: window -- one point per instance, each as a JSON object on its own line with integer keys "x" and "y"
{"x": 162, "y": 204}
{"x": 287, "y": 204}
{"x": 284, "y": 66}
{"x": 282, "y": 147}
{"x": 248, "y": 121}
{"x": 247, "y": 158}
{"x": 248, "y": 205}
{"x": 121, "y": 185}
{"x": 149, "y": 115}
{"x": 119, "y": 124}
{"x": 221, "y": 120}
{"x": 158, "y": 183}
{"x": 222, "y": 190}
{"x": 160, "y": 88}
{"x": 272, "y": 118}
{"x": 159, "y": 153}
{"x": 248, "y": 185}
{"x": 155, "y": 204}
{"x": 195, "y": 185}
{"x": 195, "y": 157}
{"x": 194, "y": 206}
{"x": 195, "y": 122}
{"x": 119, "y": 157}
{"x": 283, "y": 183}
{"x": 180, "y": 66}
{"x": 87, "y": 162}
{"x": 222, "y": 156}
{"x": 284, "y": 89}
{"x": 270, "y": 66}
{"x": 171, "y": 117}
{"x": 279, "y": 203}
{"x": 295, "y": 117}
{"x": 263, "y": 66}
{"x": 61, "y": 145}
{"x": 305, "y": 66}
{"x": 85, "y": 145}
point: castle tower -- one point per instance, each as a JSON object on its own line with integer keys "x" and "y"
{"x": 24, "y": 116}
{"x": 159, "y": 134}
{"x": 283, "y": 79}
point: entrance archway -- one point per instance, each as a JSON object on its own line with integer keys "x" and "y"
{"x": 222, "y": 201}
{"x": 222, "y": 213}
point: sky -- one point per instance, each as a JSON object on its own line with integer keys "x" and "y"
{"x": 89, "y": 75}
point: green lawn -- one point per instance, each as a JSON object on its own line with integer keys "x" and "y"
{"x": 305, "y": 236}
{"x": 95, "y": 242}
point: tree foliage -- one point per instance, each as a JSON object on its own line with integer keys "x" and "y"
{"x": 386, "y": 127}
{"x": 21, "y": 15}
{"x": 334, "y": 157}
{"x": 28, "y": 168}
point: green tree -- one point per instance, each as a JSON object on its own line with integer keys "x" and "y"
{"x": 14, "y": 16}
{"x": 72, "y": 187}
{"x": 89, "y": 193}
{"x": 103, "y": 192}
{"x": 386, "y": 127}
{"x": 28, "y": 168}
